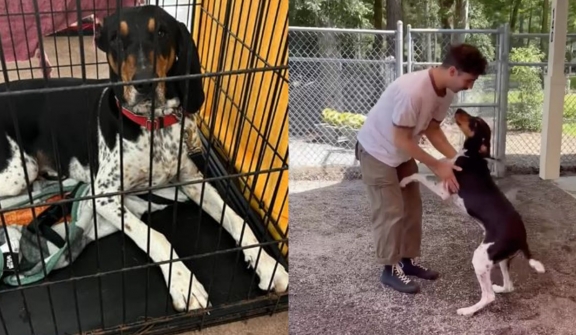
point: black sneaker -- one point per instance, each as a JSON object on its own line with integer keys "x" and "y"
{"x": 411, "y": 268}
{"x": 393, "y": 276}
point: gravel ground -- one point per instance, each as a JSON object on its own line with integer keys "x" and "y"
{"x": 334, "y": 278}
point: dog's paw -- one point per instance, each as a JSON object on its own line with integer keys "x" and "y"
{"x": 179, "y": 288}
{"x": 460, "y": 152}
{"x": 466, "y": 311}
{"x": 443, "y": 191}
{"x": 502, "y": 289}
{"x": 536, "y": 265}
{"x": 444, "y": 195}
{"x": 405, "y": 181}
{"x": 266, "y": 267}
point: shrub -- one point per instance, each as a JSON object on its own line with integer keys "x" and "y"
{"x": 573, "y": 83}
{"x": 533, "y": 121}
{"x": 525, "y": 103}
{"x": 570, "y": 106}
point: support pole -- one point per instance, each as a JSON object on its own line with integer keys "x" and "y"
{"x": 554, "y": 85}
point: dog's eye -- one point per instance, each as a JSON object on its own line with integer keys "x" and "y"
{"x": 161, "y": 32}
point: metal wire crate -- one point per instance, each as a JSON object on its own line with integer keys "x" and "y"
{"x": 112, "y": 286}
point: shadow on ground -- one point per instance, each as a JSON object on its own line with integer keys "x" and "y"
{"x": 334, "y": 278}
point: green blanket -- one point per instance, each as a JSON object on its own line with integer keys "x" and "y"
{"x": 29, "y": 249}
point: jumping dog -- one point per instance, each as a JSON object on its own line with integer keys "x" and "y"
{"x": 480, "y": 198}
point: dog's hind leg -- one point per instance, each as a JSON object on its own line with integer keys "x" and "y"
{"x": 431, "y": 185}
{"x": 482, "y": 266}
{"x": 506, "y": 281}
{"x": 12, "y": 178}
{"x": 272, "y": 274}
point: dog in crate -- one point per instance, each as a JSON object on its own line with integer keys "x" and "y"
{"x": 88, "y": 127}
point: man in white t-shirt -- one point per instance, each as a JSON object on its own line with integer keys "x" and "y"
{"x": 413, "y": 105}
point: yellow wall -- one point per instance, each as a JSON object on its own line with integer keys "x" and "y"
{"x": 267, "y": 95}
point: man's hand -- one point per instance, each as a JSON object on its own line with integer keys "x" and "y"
{"x": 444, "y": 170}
{"x": 404, "y": 140}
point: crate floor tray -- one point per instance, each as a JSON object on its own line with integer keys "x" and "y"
{"x": 116, "y": 303}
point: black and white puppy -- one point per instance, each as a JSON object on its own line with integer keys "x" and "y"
{"x": 480, "y": 198}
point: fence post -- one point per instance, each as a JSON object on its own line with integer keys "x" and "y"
{"x": 504, "y": 73}
{"x": 399, "y": 49}
{"x": 409, "y": 49}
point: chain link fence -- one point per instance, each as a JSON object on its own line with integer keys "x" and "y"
{"x": 337, "y": 75}
{"x": 333, "y": 71}
{"x": 528, "y": 66}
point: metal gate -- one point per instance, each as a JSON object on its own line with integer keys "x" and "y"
{"x": 490, "y": 100}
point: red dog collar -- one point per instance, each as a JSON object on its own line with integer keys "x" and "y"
{"x": 158, "y": 123}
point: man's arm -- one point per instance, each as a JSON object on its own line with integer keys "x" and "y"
{"x": 403, "y": 140}
{"x": 404, "y": 119}
{"x": 438, "y": 139}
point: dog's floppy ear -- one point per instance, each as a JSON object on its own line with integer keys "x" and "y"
{"x": 460, "y": 110}
{"x": 101, "y": 36}
{"x": 188, "y": 62}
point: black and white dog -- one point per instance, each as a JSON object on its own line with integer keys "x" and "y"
{"x": 87, "y": 142}
{"x": 480, "y": 198}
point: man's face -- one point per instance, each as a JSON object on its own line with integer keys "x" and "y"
{"x": 460, "y": 80}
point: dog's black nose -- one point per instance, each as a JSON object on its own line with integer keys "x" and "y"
{"x": 145, "y": 87}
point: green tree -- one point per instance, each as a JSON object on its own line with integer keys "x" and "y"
{"x": 331, "y": 13}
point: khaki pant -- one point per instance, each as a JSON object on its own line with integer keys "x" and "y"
{"x": 396, "y": 212}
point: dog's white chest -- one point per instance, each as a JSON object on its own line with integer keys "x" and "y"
{"x": 163, "y": 162}
{"x": 150, "y": 159}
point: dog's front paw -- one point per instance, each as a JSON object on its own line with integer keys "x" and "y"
{"x": 266, "y": 267}
{"x": 405, "y": 181}
{"x": 179, "y": 290}
{"x": 444, "y": 194}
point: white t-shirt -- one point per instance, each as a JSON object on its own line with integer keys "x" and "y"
{"x": 409, "y": 101}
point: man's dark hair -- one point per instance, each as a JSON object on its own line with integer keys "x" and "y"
{"x": 465, "y": 58}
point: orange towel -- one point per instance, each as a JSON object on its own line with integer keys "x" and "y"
{"x": 24, "y": 217}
